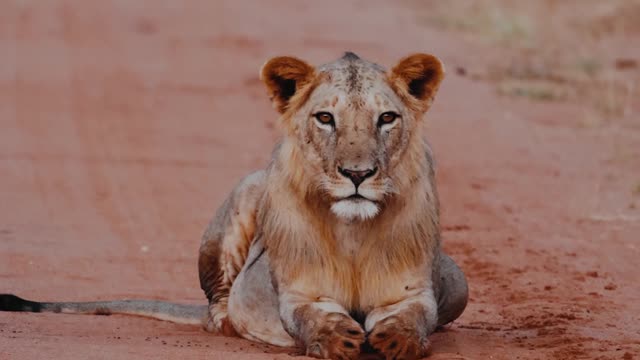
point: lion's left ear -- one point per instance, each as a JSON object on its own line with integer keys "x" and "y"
{"x": 417, "y": 78}
{"x": 284, "y": 76}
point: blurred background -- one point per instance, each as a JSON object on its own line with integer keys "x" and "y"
{"x": 124, "y": 124}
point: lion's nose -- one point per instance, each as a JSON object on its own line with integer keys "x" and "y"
{"x": 357, "y": 176}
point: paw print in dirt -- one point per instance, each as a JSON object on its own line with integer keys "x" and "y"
{"x": 337, "y": 337}
{"x": 398, "y": 339}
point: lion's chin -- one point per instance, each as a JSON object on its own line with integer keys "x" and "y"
{"x": 355, "y": 209}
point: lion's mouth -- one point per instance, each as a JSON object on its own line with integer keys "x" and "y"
{"x": 355, "y": 196}
{"x": 358, "y": 198}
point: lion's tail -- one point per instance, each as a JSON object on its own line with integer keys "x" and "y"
{"x": 161, "y": 310}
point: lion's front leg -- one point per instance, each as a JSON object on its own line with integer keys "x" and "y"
{"x": 400, "y": 330}
{"x": 322, "y": 326}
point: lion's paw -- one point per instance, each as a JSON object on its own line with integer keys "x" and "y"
{"x": 337, "y": 337}
{"x": 218, "y": 322}
{"x": 397, "y": 338}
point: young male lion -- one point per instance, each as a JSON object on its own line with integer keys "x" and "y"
{"x": 336, "y": 244}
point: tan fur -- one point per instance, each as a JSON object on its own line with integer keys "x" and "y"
{"x": 374, "y": 255}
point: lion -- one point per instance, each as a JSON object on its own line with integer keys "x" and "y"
{"x": 335, "y": 246}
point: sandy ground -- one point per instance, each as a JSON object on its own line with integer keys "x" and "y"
{"x": 123, "y": 124}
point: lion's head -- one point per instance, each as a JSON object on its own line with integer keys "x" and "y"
{"x": 354, "y": 126}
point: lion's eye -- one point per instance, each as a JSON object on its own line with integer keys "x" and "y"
{"x": 324, "y": 118}
{"x": 387, "y": 118}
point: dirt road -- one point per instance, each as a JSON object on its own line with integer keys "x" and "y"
{"x": 123, "y": 125}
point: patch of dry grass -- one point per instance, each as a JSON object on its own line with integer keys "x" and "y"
{"x": 491, "y": 22}
{"x": 532, "y": 91}
{"x": 542, "y": 59}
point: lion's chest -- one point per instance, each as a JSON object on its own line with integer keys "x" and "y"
{"x": 349, "y": 240}
{"x": 373, "y": 277}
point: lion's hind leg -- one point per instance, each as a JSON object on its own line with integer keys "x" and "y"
{"x": 224, "y": 249}
{"x": 216, "y": 287}
{"x": 451, "y": 289}
{"x": 253, "y": 302}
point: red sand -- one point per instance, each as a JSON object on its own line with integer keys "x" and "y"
{"x": 123, "y": 125}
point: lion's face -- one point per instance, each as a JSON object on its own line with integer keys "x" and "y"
{"x": 353, "y": 128}
{"x": 354, "y": 123}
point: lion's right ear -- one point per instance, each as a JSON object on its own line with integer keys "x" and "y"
{"x": 417, "y": 78}
{"x": 283, "y": 76}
